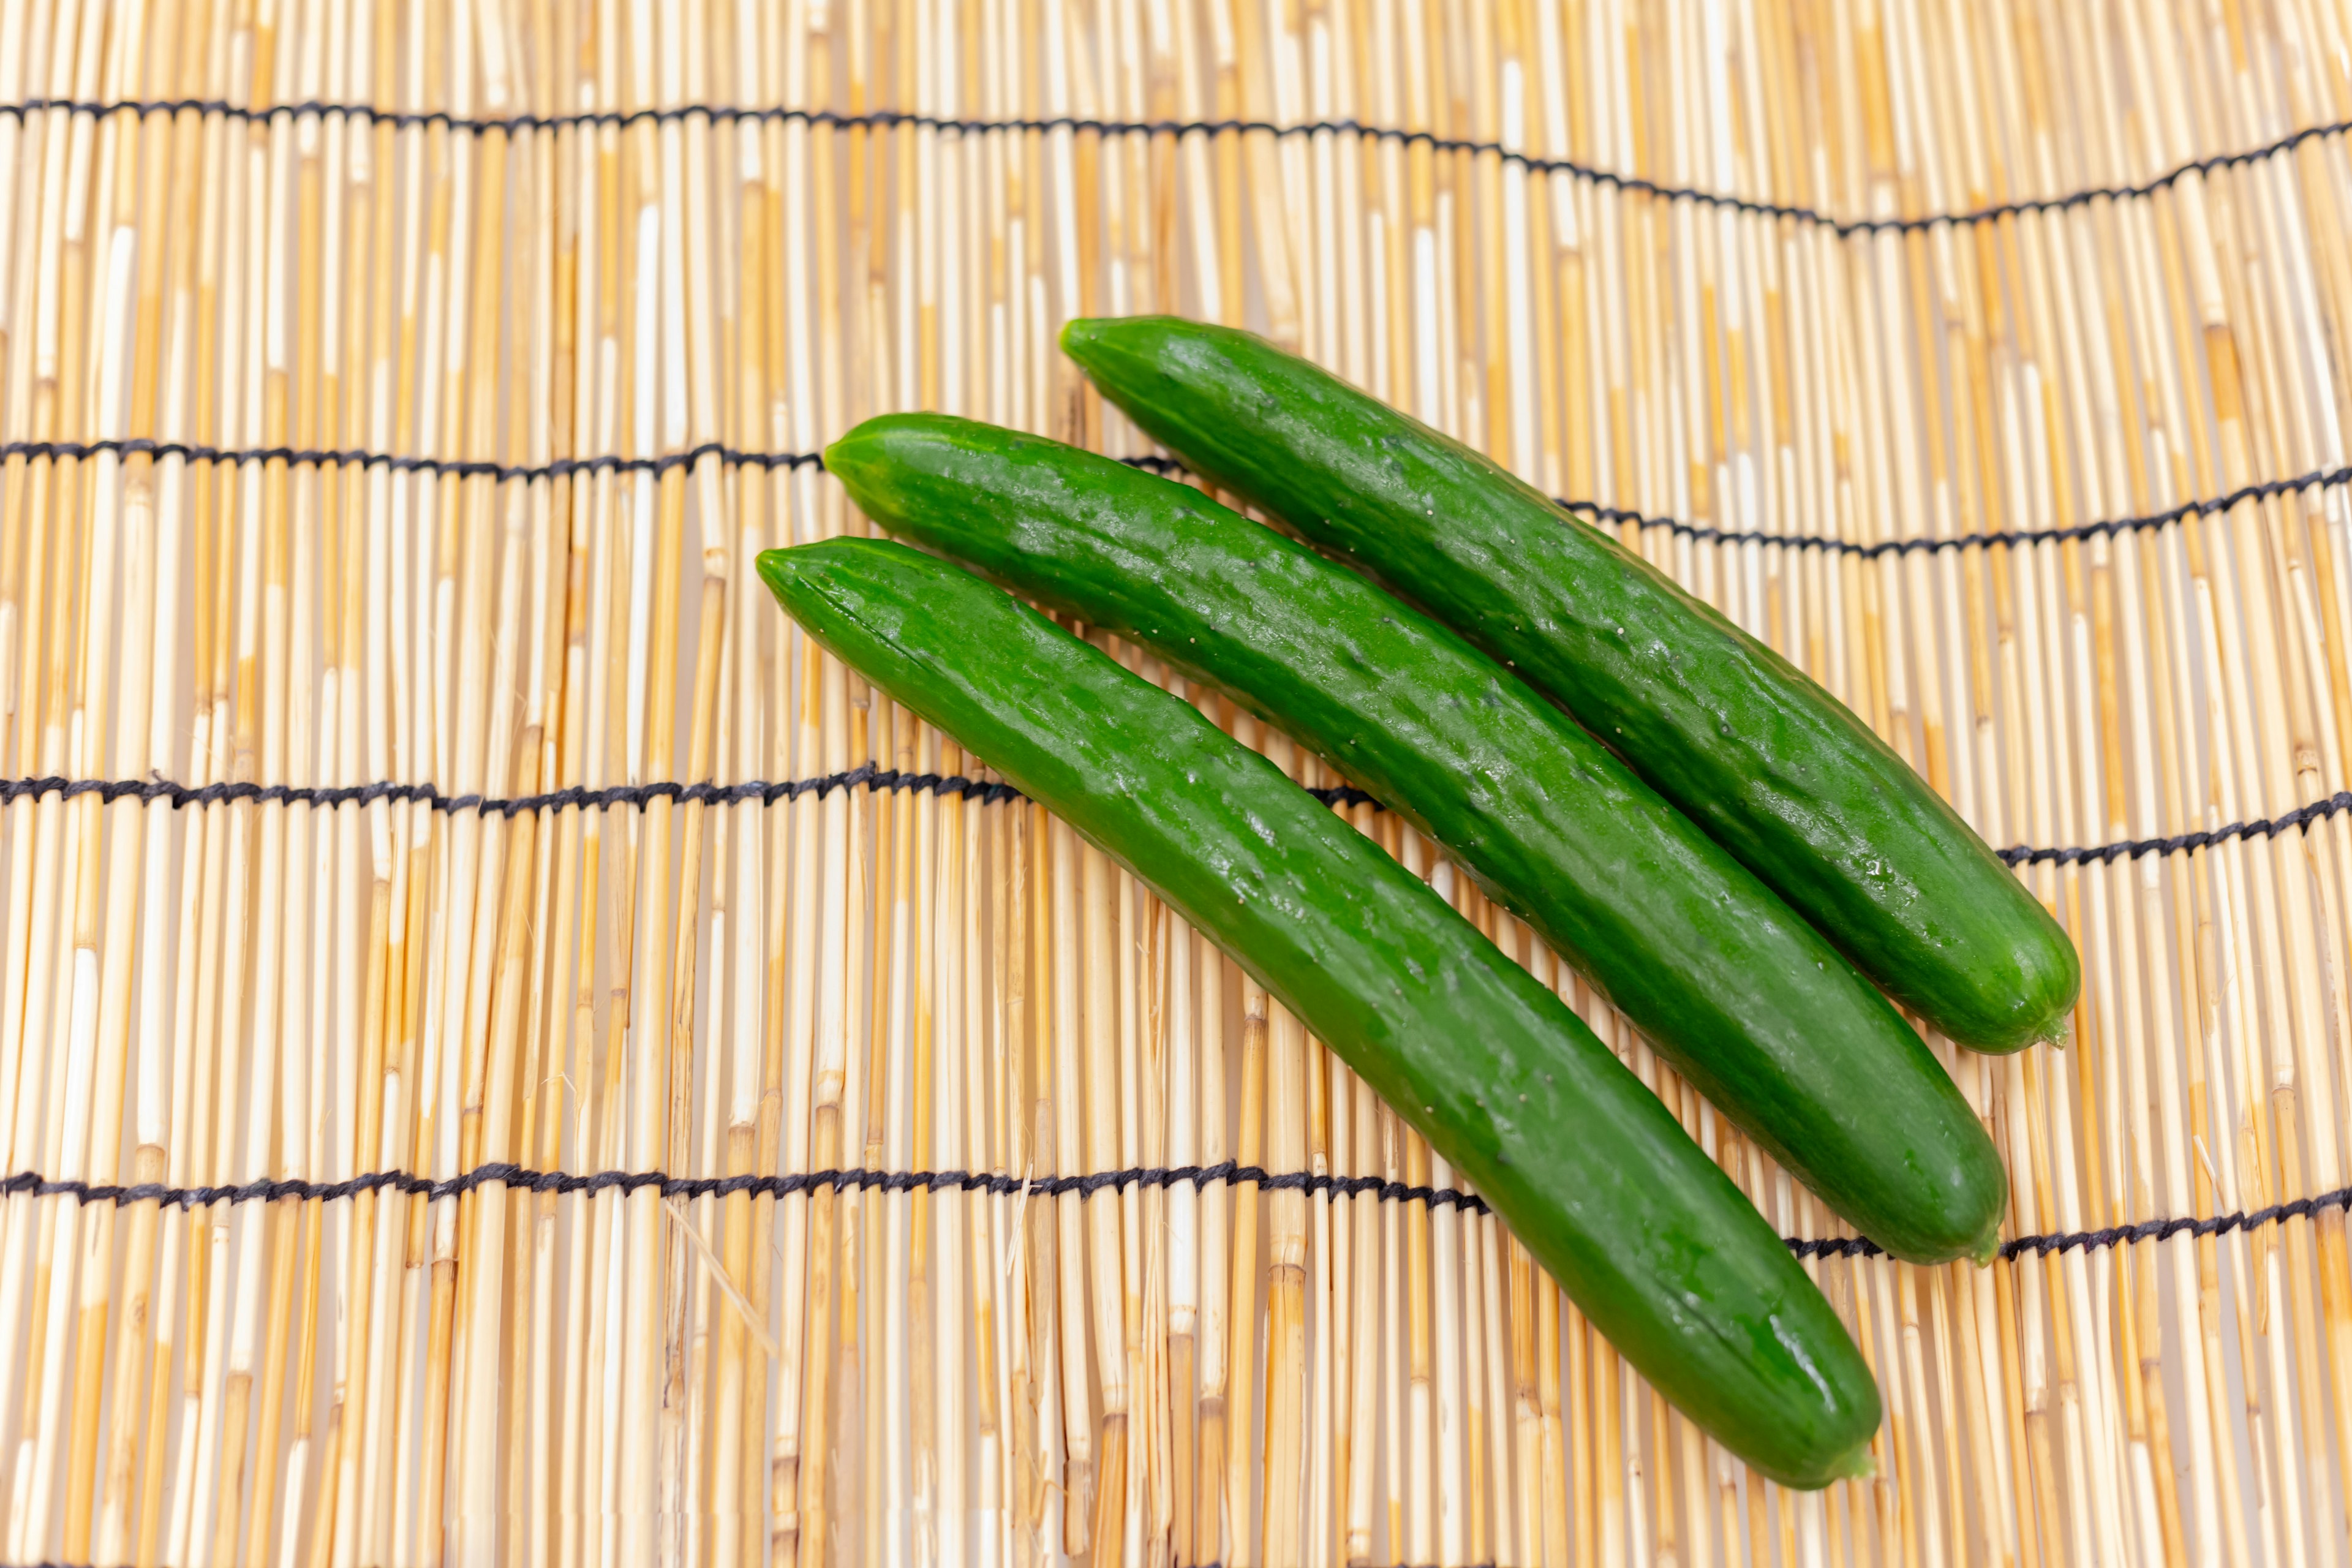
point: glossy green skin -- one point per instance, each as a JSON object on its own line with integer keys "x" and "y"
{"x": 1584, "y": 1165}
{"x": 1774, "y": 768}
{"x": 1766, "y": 1018}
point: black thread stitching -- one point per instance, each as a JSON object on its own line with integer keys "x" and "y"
{"x": 767, "y": 792}
{"x": 519, "y": 1178}
{"x": 2112, "y": 528}
{"x": 2320, "y": 479}
{"x": 459, "y": 468}
{"x": 179, "y": 795}
{"x": 886, "y": 119}
{"x": 2103, "y": 854}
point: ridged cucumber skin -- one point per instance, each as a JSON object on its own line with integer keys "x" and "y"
{"x": 1773, "y": 767}
{"x": 1769, "y": 1021}
{"x": 1649, "y": 1238}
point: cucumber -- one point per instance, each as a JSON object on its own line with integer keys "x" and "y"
{"x": 1590, "y": 1171}
{"x": 1764, "y": 1017}
{"x": 1774, "y": 768}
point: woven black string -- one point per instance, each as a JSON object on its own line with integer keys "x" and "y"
{"x": 563, "y": 467}
{"x": 2103, "y": 854}
{"x": 884, "y": 119}
{"x": 636, "y": 796}
{"x": 456, "y": 467}
{"x": 767, "y": 792}
{"x": 2114, "y": 527}
{"x": 519, "y": 1178}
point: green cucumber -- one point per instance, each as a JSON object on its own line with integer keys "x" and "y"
{"x": 1644, "y": 1232}
{"x": 1746, "y": 1000}
{"x": 1774, "y": 768}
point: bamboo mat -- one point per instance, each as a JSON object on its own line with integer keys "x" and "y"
{"x": 507, "y": 1057}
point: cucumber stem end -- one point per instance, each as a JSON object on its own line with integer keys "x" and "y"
{"x": 1857, "y": 1466}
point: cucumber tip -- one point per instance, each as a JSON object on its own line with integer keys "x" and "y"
{"x": 1857, "y": 1466}
{"x": 777, "y": 569}
{"x": 1079, "y": 334}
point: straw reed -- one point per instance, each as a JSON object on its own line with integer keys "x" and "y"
{"x": 509, "y": 1055}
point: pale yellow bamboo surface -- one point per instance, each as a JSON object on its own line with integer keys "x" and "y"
{"x": 411, "y": 445}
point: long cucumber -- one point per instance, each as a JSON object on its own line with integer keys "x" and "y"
{"x": 1654, "y": 1241}
{"x": 1774, "y": 768}
{"x": 1766, "y": 1018}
